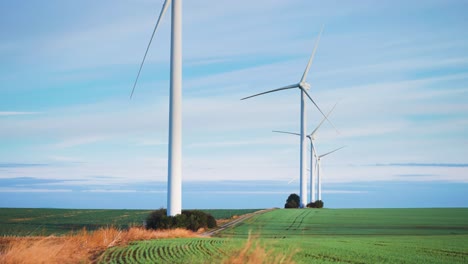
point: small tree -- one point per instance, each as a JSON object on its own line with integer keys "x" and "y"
{"x": 158, "y": 220}
{"x": 189, "y": 219}
{"x": 293, "y": 201}
{"x": 211, "y": 221}
{"x": 291, "y": 204}
{"x": 316, "y": 204}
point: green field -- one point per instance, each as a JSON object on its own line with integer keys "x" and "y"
{"x": 343, "y": 222}
{"x": 363, "y": 235}
{"x": 184, "y": 250}
{"x": 324, "y": 236}
{"x": 310, "y": 235}
{"x": 31, "y": 222}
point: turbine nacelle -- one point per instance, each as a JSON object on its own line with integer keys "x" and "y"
{"x": 304, "y": 85}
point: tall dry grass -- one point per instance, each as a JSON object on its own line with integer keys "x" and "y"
{"x": 254, "y": 253}
{"x": 83, "y": 247}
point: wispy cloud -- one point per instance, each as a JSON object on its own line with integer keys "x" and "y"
{"x": 344, "y": 191}
{"x": 109, "y": 191}
{"x": 73, "y": 142}
{"x": 283, "y": 192}
{"x": 65, "y": 159}
{"x": 31, "y": 190}
{"x": 444, "y": 165}
{"x": 219, "y": 143}
{"x": 21, "y": 165}
{"x": 150, "y": 142}
{"x": 12, "y": 113}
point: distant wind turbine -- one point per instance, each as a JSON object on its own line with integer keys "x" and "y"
{"x": 319, "y": 177}
{"x": 174, "y": 193}
{"x": 303, "y": 86}
{"x": 313, "y": 154}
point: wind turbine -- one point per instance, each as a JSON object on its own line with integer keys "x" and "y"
{"x": 313, "y": 153}
{"x": 303, "y": 86}
{"x": 319, "y": 181}
{"x": 174, "y": 192}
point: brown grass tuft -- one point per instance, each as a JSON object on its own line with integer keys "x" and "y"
{"x": 83, "y": 247}
{"x": 254, "y": 253}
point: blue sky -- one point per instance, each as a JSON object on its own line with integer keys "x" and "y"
{"x": 70, "y": 136}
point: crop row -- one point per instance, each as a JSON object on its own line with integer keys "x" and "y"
{"x": 196, "y": 250}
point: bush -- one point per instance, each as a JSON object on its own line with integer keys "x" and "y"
{"x": 157, "y": 219}
{"x": 196, "y": 220}
{"x": 316, "y": 204}
{"x": 291, "y": 204}
{"x": 211, "y": 221}
{"x": 293, "y": 201}
{"x": 189, "y": 219}
{"x": 180, "y": 221}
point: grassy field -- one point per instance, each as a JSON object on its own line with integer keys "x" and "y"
{"x": 187, "y": 250}
{"x": 30, "y": 222}
{"x": 313, "y": 222}
{"x": 363, "y": 235}
{"x": 309, "y": 235}
{"x": 325, "y": 236}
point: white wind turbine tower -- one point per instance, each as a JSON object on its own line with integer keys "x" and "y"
{"x": 303, "y": 86}
{"x": 319, "y": 177}
{"x": 174, "y": 193}
{"x": 313, "y": 154}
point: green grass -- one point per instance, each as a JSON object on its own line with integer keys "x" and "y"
{"x": 312, "y": 222}
{"x": 324, "y": 236}
{"x": 185, "y": 250}
{"x": 375, "y": 249}
{"x": 363, "y": 235}
{"x": 30, "y": 222}
{"x": 228, "y": 213}
{"x": 311, "y": 235}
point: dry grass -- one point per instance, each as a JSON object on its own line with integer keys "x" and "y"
{"x": 21, "y": 219}
{"x": 254, "y": 253}
{"x": 83, "y": 247}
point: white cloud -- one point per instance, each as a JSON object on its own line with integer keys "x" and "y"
{"x": 30, "y": 190}
{"x": 73, "y": 142}
{"x": 65, "y": 159}
{"x": 13, "y": 113}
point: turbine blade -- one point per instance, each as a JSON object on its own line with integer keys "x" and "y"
{"x": 328, "y": 120}
{"x": 323, "y": 155}
{"x": 163, "y": 11}
{"x": 274, "y": 90}
{"x": 314, "y": 151}
{"x": 304, "y": 76}
{"x": 285, "y": 132}
{"x": 323, "y": 120}
{"x": 308, "y": 95}
{"x": 293, "y": 179}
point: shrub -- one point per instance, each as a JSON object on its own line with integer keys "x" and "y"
{"x": 157, "y": 219}
{"x": 291, "y": 204}
{"x": 180, "y": 221}
{"x": 293, "y": 201}
{"x": 211, "y": 221}
{"x": 189, "y": 219}
{"x": 316, "y": 204}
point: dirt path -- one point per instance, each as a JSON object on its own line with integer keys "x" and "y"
{"x": 234, "y": 222}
